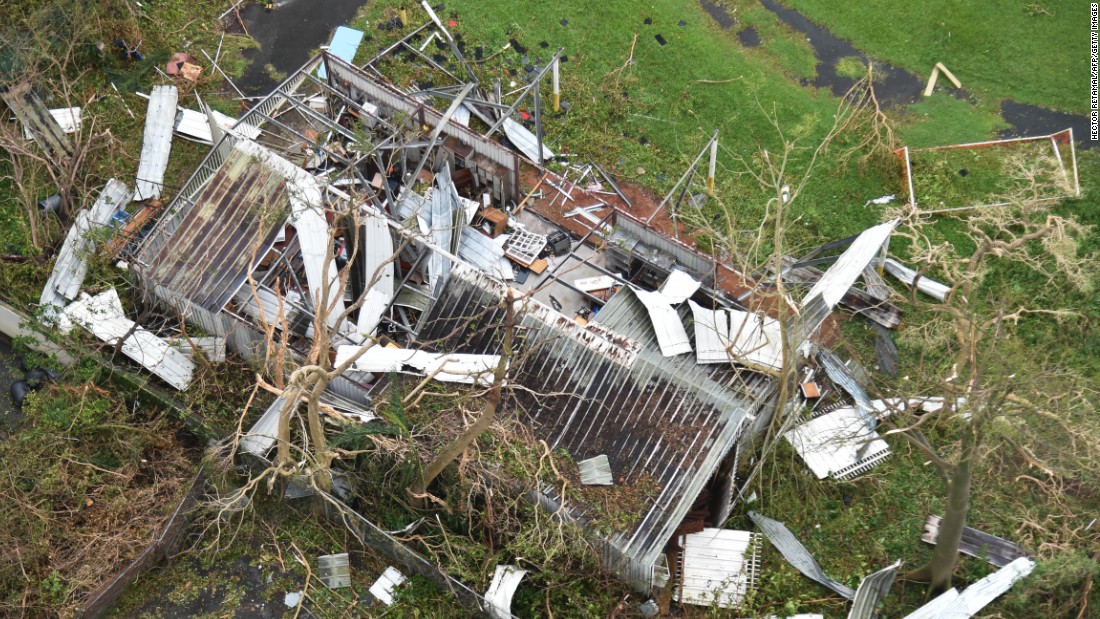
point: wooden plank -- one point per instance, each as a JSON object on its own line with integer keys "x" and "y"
{"x": 34, "y": 116}
{"x": 998, "y": 552}
{"x": 932, "y": 81}
{"x": 949, "y": 75}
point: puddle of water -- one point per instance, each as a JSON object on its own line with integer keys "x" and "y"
{"x": 1034, "y": 120}
{"x": 287, "y": 37}
{"x": 895, "y": 86}
{"x": 718, "y": 13}
{"x": 749, "y": 37}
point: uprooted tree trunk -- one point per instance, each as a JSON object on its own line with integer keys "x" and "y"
{"x": 488, "y": 411}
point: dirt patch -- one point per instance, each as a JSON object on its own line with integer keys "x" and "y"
{"x": 718, "y": 13}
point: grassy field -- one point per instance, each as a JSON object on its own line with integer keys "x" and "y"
{"x": 1031, "y": 52}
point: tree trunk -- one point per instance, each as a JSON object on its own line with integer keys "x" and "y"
{"x": 488, "y": 414}
{"x": 941, "y": 567}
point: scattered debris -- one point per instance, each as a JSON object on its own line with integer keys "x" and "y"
{"x": 724, "y": 336}
{"x": 335, "y": 570}
{"x": 936, "y": 71}
{"x": 159, "y": 122}
{"x": 80, "y": 241}
{"x": 886, "y": 352}
{"x": 195, "y": 126}
{"x": 293, "y": 598}
{"x": 506, "y": 579}
{"x": 998, "y": 552}
{"x": 345, "y": 42}
{"x": 104, "y": 317}
{"x": 596, "y": 471}
{"x": 719, "y": 567}
{"x": 838, "y": 444}
{"x": 67, "y": 118}
{"x": 40, "y": 122}
{"x": 444, "y": 367}
{"x": 796, "y": 554}
{"x": 212, "y": 346}
{"x": 678, "y": 287}
{"x": 908, "y": 276}
{"x": 671, "y": 335}
{"x": 382, "y": 589}
{"x": 954, "y": 605}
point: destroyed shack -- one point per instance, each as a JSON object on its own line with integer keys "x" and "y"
{"x": 610, "y": 309}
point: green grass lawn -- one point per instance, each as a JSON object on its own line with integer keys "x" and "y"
{"x": 1032, "y": 52}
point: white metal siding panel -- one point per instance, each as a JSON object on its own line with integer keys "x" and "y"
{"x": 378, "y": 247}
{"x": 719, "y": 567}
{"x": 834, "y": 284}
{"x": 527, "y": 142}
{"x": 159, "y": 120}
{"x": 596, "y": 471}
{"x": 679, "y": 286}
{"x": 104, "y": 317}
{"x": 832, "y": 443}
{"x": 506, "y": 579}
{"x": 671, "y": 335}
{"x": 711, "y": 334}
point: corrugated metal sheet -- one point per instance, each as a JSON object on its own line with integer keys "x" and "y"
{"x": 195, "y": 126}
{"x": 445, "y": 206}
{"x": 679, "y": 287}
{"x": 506, "y": 579}
{"x": 525, "y": 141}
{"x": 334, "y": 570}
{"x": 157, "y": 145}
{"x": 606, "y": 389}
{"x": 484, "y": 253}
{"x": 671, "y": 335}
{"x": 67, "y": 119}
{"x": 977, "y": 596}
{"x": 104, "y": 317}
{"x": 834, "y": 284}
{"x": 712, "y": 328}
{"x": 839, "y": 444}
{"x": 725, "y": 336}
{"x": 596, "y": 471}
{"x": 377, "y": 249}
{"x": 72, "y": 260}
{"x": 34, "y": 116}
{"x": 382, "y": 589}
{"x": 261, "y": 436}
{"x": 208, "y": 258}
{"x": 719, "y": 567}
{"x": 998, "y": 552}
{"x": 444, "y": 367}
{"x": 843, "y": 378}
{"x": 796, "y": 554}
{"x": 872, "y": 591}
{"x": 928, "y": 286}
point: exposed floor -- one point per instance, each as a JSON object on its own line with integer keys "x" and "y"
{"x": 288, "y": 36}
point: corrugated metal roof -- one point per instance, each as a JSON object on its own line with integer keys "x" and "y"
{"x": 719, "y": 567}
{"x": 208, "y": 258}
{"x": 506, "y": 579}
{"x": 484, "y": 253}
{"x": 725, "y": 336}
{"x": 377, "y": 249}
{"x": 595, "y": 471}
{"x": 796, "y": 554}
{"x": 871, "y": 592}
{"x": 599, "y": 389}
{"x": 157, "y": 145}
{"x": 838, "y": 443}
{"x": 72, "y": 261}
{"x": 104, "y": 317}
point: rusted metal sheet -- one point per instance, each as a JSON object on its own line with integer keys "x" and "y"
{"x": 998, "y": 552}
{"x": 34, "y": 116}
{"x": 236, "y": 217}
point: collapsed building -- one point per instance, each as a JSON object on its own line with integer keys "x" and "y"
{"x": 634, "y": 351}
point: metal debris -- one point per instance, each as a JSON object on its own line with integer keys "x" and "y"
{"x": 998, "y": 552}
{"x": 335, "y": 571}
{"x": 838, "y": 444}
{"x": 382, "y": 589}
{"x": 955, "y": 605}
{"x": 261, "y": 436}
{"x": 671, "y": 336}
{"x": 159, "y": 121}
{"x": 36, "y": 119}
{"x": 104, "y": 317}
{"x": 719, "y": 567}
{"x": 907, "y": 275}
{"x": 796, "y": 554}
{"x": 872, "y": 591}
{"x": 506, "y": 579}
{"x": 596, "y": 471}
{"x": 678, "y": 287}
{"x": 67, "y": 119}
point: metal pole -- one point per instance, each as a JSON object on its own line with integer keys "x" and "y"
{"x": 690, "y": 169}
{"x": 557, "y": 90}
{"x": 538, "y": 123}
{"x": 713, "y": 162}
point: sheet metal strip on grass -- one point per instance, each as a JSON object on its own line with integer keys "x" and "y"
{"x": 998, "y": 552}
{"x": 872, "y": 590}
{"x": 796, "y": 554}
{"x": 157, "y": 145}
